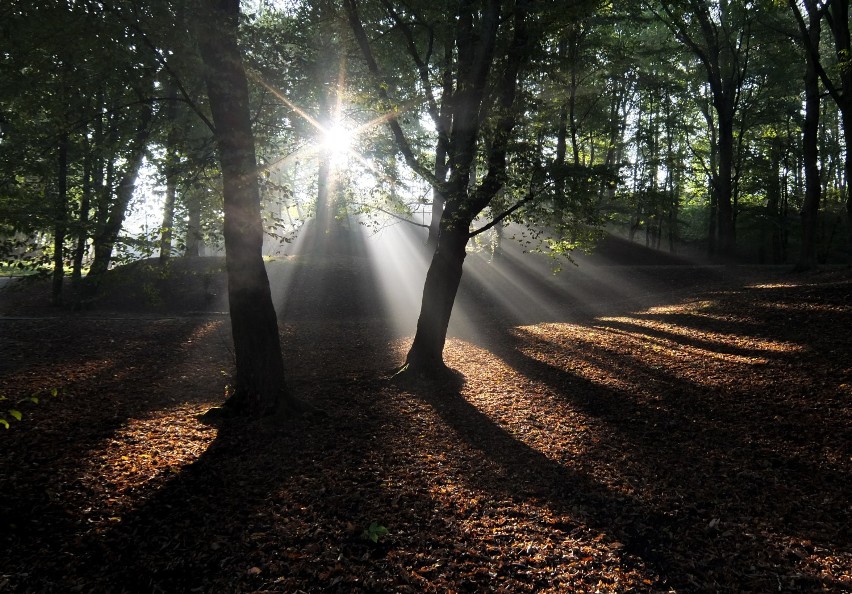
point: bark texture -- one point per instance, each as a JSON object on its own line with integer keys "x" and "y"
{"x": 259, "y": 384}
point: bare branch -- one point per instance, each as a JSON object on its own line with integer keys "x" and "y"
{"x": 505, "y": 214}
{"x": 399, "y": 136}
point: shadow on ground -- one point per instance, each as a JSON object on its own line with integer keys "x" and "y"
{"x": 682, "y": 429}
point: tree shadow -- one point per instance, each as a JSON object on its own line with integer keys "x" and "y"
{"x": 527, "y": 473}
{"x": 738, "y": 467}
{"x": 101, "y": 371}
{"x": 721, "y": 503}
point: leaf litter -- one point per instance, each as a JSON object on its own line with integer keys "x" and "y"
{"x": 703, "y": 444}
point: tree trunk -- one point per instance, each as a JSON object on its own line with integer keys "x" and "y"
{"x": 847, "y": 137}
{"x": 810, "y": 154}
{"x": 839, "y": 22}
{"x": 60, "y": 221}
{"x": 83, "y": 219}
{"x": 323, "y": 203}
{"x": 441, "y": 164}
{"x": 192, "y": 248}
{"x": 425, "y": 358}
{"x": 259, "y": 383}
{"x": 773, "y": 206}
{"x": 724, "y": 184}
{"x": 107, "y": 235}
{"x": 167, "y": 228}
{"x": 171, "y": 174}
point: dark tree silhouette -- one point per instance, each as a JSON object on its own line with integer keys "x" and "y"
{"x": 260, "y": 387}
{"x": 485, "y": 34}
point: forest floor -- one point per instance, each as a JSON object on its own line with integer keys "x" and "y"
{"x": 686, "y": 430}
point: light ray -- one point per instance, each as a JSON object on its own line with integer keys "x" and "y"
{"x": 328, "y": 132}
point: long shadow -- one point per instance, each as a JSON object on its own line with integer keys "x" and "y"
{"x": 528, "y": 474}
{"x": 292, "y": 497}
{"x": 266, "y": 507}
{"x": 212, "y": 510}
{"x": 97, "y": 368}
{"x": 712, "y": 467}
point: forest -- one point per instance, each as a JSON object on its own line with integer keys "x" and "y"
{"x": 425, "y": 296}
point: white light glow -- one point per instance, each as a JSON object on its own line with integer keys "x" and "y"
{"x": 337, "y": 140}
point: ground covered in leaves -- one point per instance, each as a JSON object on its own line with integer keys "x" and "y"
{"x": 693, "y": 433}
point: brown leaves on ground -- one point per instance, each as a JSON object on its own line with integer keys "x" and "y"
{"x": 700, "y": 444}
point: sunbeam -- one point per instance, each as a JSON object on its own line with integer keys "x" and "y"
{"x": 397, "y": 255}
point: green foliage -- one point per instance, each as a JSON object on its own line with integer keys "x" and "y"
{"x": 374, "y": 532}
{"x": 14, "y": 411}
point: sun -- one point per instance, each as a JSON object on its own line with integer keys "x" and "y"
{"x": 337, "y": 140}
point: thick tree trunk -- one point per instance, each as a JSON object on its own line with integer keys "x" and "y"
{"x": 437, "y": 198}
{"x": 259, "y": 387}
{"x": 425, "y": 358}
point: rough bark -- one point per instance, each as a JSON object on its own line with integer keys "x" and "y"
{"x": 259, "y": 383}
{"x": 439, "y": 293}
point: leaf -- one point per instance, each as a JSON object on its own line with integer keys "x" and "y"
{"x": 16, "y": 413}
{"x": 374, "y": 532}
{"x": 4, "y": 422}
{"x": 54, "y": 392}
{"x": 34, "y": 399}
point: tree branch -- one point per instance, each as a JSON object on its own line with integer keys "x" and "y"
{"x": 813, "y": 52}
{"x": 422, "y": 69}
{"x": 162, "y": 61}
{"x": 373, "y": 66}
{"x": 505, "y": 214}
{"x": 391, "y": 214}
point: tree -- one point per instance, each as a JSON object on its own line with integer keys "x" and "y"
{"x": 259, "y": 384}
{"x": 491, "y": 43}
{"x": 718, "y": 33}
{"x": 809, "y": 37}
{"x": 836, "y": 13}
